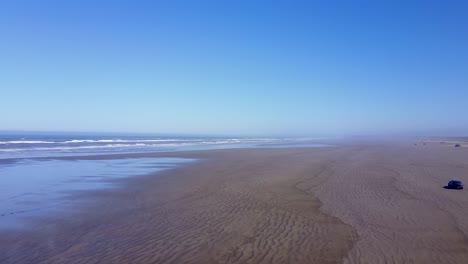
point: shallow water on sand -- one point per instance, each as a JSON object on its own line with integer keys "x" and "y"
{"x": 35, "y": 187}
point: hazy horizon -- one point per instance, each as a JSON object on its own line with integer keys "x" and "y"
{"x": 292, "y": 68}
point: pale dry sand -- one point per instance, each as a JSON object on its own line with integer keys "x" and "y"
{"x": 364, "y": 203}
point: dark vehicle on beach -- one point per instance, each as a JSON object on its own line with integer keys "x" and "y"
{"x": 453, "y": 184}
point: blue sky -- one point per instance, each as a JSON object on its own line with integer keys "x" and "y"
{"x": 235, "y": 67}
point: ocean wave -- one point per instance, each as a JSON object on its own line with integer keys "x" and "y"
{"x": 79, "y": 145}
{"x": 124, "y": 140}
{"x": 97, "y": 141}
{"x": 91, "y": 147}
{"x": 229, "y": 141}
{"x": 26, "y": 142}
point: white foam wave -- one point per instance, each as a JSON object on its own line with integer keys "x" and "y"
{"x": 26, "y": 142}
{"x": 103, "y": 144}
{"x": 77, "y": 141}
{"x": 221, "y": 142}
{"x": 73, "y": 148}
{"x": 125, "y": 140}
{"x": 107, "y": 146}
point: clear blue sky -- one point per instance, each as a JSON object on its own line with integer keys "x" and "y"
{"x": 237, "y": 67}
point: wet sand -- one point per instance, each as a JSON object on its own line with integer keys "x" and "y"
{"x": 355, "y": 203}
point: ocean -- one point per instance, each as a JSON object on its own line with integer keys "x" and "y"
{"x": 55, "y": 145}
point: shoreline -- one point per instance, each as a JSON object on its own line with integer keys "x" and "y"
{"x": 352, "y": 204}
